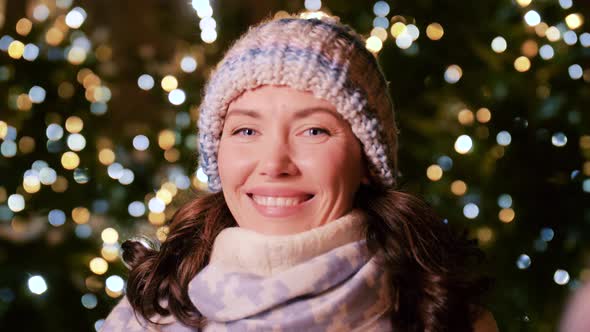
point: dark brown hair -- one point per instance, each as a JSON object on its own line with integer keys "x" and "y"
{"x": 433, "y": 269}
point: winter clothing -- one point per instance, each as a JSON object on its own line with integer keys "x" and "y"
{"x": 323, "y": 279}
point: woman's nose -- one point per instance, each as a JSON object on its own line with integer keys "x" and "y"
{"x": 276, "y": 160}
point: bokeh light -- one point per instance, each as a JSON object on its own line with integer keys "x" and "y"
{"x": 434, "y": 31}
{"x": 98, "y": 265}
{"x": 37, "y": 285}
{"x": 499, "y": 44}
{"x": 463, "y": 144}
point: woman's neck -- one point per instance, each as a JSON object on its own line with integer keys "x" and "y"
{"x": 244, "y": 250}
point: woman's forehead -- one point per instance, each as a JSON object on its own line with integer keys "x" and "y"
{"x": 279, "y": 99}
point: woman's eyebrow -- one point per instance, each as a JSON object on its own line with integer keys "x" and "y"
{"x": 243, "y": 112}
{"x": 298, "y": 114}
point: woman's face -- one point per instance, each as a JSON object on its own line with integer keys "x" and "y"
{"x": 288, "y": 162}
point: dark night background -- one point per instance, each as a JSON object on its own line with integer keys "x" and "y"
{"x": 521, "y": 187}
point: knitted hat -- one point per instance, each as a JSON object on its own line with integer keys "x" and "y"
{"x": 321, "y": 56}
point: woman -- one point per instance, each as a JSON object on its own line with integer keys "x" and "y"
{"x": 305, "y": 230}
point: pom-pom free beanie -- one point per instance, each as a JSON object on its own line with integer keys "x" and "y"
{"x": 321, "y": 56}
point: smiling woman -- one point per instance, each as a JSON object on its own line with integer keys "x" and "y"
{"x": 305, "y": 229}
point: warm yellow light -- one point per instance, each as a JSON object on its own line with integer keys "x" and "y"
{"x": 106, "y": 156}
{"x": 172, "y": 155}
{"x": 574, "y": 21}
{"x": 281, "y": 14}
{"x": 102, "y": 94}
{"x": 60, "y": 185}
{"x": 60, "y": 23}
{"x": 164, "y": 195}
{"x": 522, "y": 64}
{"x": 90, "y": 79}
{"x": 110, "y": 253}
{"x": 552, "y": 34}
{"x": 169, "y": 83}
{"x": 586, "y": 170}
{"x": 483, "y": 115}
{"x": 109, "y": 236}
{"x": 202, "y": 186}
{"x": 397, "y": 29}
{"x": 26, "y": 144}
{"x": 459, "y": 187}
{"x": 3, "y": 129}
{"x": 76, "y": 55}
{"x": 541, "y": 29}
{"x": 435, "y": 31}
{"x": 23, "y": 26}
{"x": 523, "y": 3}
{"x": 82, "y": 74}
{"x": 70, "y": 160}
{"x": 485, "y": 235}
{"x": 54, "y": 36}
{"x": 171, "y": 188}
{"x": 93, "y": 283}
{"x": 506, "y": 215}
{"x": 166, "y": 139}
{"x": 529, "y": 48}
{"x": 113, "y": 294}
{"x": 81, "y": 215}
{"x": 157, "y": 219}
{"x": 98, "y": 265}
{"x": 31, "y": 184}
{"x": 23, "y": 102}
{"x": 380, "y": 33}
{"x": 434, "y": 172}
{"x": 74, "y": 124}
{"x": 465, "y": 117}
{"x": 374, "y": 44}
{"x": 16, "y": 49}
{"x": 89, "y": 94}
{"x": 162, "y": 233}
{"x": 3, "y": 194}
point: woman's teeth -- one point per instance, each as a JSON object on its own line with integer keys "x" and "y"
{"x": 278, "y": 201}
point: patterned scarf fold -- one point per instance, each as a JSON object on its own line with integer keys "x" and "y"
{"x": 321, "y": 280}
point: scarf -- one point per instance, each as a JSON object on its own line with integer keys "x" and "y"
{"x": 323, "y": 279}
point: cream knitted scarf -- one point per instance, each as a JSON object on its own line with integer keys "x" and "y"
{"x": 323, "y": 279}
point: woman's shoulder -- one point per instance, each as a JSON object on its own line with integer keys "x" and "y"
{"x": 123, "y": 318}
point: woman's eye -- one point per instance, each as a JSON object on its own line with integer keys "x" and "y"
{"x": 316, "y": 131}
{"x": 244, "y": 132}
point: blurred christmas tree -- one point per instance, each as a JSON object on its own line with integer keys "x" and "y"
{"x": 98, "y": 103}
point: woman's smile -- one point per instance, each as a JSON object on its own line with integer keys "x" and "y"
{"x": 279, "y": 207}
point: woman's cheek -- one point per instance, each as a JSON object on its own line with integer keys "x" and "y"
{"x": 235, "y": 159}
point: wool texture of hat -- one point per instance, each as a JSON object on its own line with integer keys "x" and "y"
{"x": 321, "y": 56}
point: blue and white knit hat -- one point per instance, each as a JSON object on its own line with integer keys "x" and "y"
{"x": 321, "y": 56}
